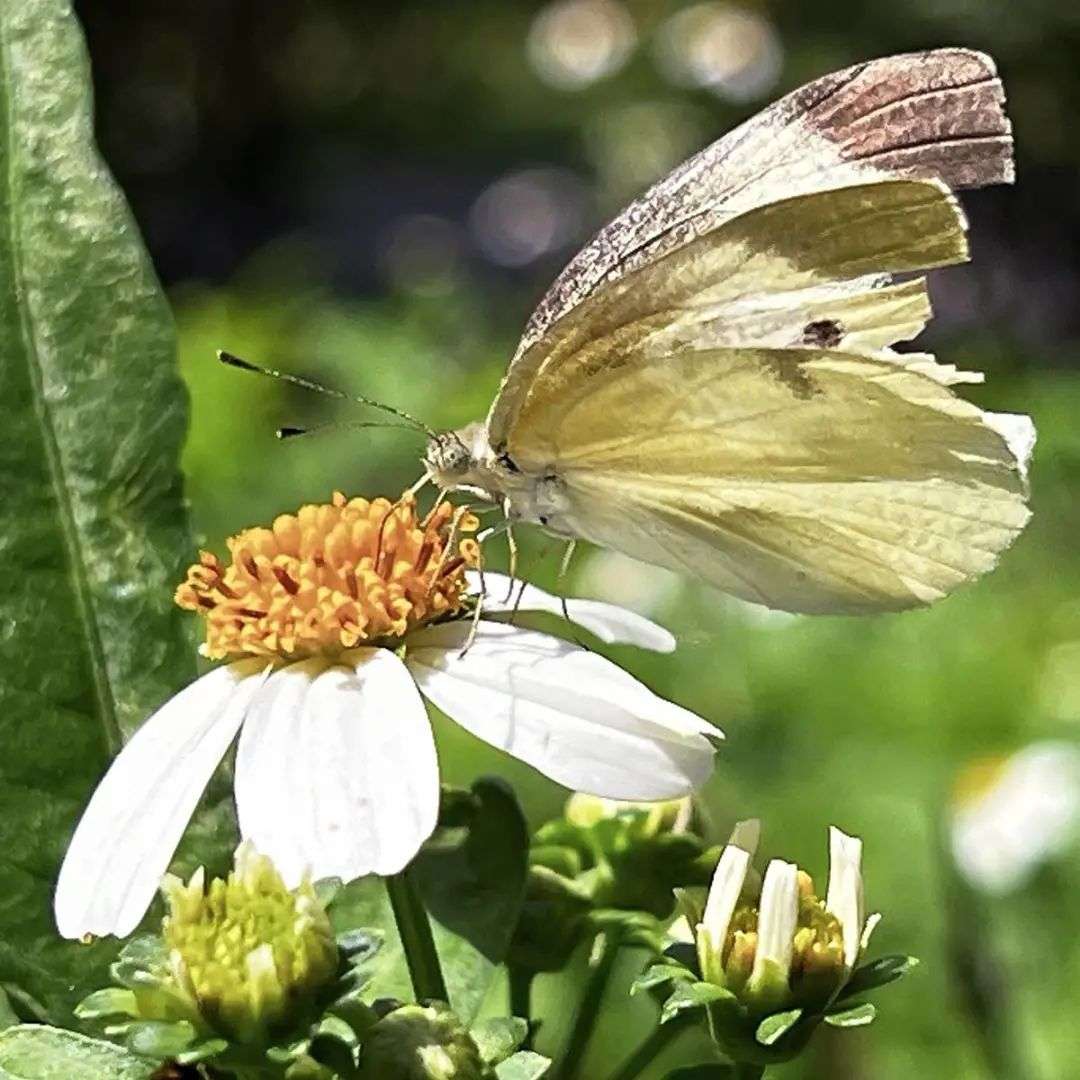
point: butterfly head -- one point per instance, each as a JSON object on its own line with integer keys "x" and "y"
{"x": 451, "y": 457}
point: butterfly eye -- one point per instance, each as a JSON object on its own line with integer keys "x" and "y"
{"x": 446, "y": 453}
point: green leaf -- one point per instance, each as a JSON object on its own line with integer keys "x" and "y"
{"x": 27, "y": 1008}
{"x": 8, "y": 1016}
{"x": 334, "y": 1045}
{"x": 159, "y": 1038}
{"x": 855, "y": 1016}
{"x": 878, "y": 973}
{"x": 684, "y": 953}
{"x": 112, "y": 1001}
{"x": 660, "y": 975}
{"x": 34, "y": 1052}
{"x": 773, "y": 1028}
{"x": 692, "y": 995}
{"x": 524, "y": 1065}
{"x": 552, "y": 923}
{"x": 202, "y": 1051}
{"x": 94, "y": 533}
{"x": 636, "y": 928}
{"x": 472, "y": 880}
{"x": 499, "y": 1037}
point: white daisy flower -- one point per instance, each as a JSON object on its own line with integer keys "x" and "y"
{"x": 337, "y": 622}
{"x": 1012, "y": 814}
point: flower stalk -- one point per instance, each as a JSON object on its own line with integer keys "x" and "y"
{"x": 602, "y": 956}
{"x": 416, "y": 937}
{"x": 657, "y": 1041}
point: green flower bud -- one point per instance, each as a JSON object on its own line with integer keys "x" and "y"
{"x": 651, "y": 819}
{"x": 247, "y": 951}
{"x": 419, "y": 1042}
{"x": 604, "y": 856}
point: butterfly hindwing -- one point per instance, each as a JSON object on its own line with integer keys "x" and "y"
{"x": 807, "y": 480}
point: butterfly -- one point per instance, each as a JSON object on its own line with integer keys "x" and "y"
{"x": 710, "y": 385}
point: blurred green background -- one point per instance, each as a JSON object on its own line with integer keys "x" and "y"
{"x": 376, "y": 194}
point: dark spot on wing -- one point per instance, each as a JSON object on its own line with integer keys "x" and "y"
{"x": 787, "y": 368}
{"x": 823, "y": 334}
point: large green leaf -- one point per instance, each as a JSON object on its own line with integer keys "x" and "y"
{"x": 31, "y": 1052}
{"x": 472, "y": 878}
{"x": 94, "y": 532}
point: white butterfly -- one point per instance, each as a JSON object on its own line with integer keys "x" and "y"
{"x": 710, "y": 385}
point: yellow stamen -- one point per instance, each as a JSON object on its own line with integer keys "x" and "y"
{"x": 817, "y": 946}
{"x": 331, "y": 577}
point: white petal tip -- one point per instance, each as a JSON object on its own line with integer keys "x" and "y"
{"x": 746, "y": 835}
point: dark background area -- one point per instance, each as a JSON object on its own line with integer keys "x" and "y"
{"x": 376, "y": 194}
{"x": 230, "y": 124}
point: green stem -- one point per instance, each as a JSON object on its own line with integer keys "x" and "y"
{"x": 981, "y": 979}
{"x": 601, "y": 960}
{"x": 521, "y": 984}
{"x": 657, "y": 1041}
{"x": 745, "y": 1071}
{"x": 415, "y": 930}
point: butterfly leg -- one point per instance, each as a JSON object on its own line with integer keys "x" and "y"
{"x": 478, "y": 610}
{"x": 455, "y": 521}
{"x": 564, "y": 567}
{"x": 512, "y": 548}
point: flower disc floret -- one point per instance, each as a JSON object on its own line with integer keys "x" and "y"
{"x": 817, "y": 955}
{"x": 332, "y": 577}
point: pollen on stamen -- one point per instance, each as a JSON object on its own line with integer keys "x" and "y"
{"x": 331, "y": 577}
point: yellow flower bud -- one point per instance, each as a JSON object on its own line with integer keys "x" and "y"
{"x": 248, "y": 952}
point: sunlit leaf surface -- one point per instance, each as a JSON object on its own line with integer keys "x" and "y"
{"x": 94, "y": 530}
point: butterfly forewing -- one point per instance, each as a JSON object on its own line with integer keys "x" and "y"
{"x": 774, "y": 276}
{"x": 937, "y": 114}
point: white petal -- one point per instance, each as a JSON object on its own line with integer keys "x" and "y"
{"x": 336, "y": 772}
{"x": 724, "y": 890}
{"x": 746, "y": 835}
{"x": 575, "y": 716}
{"x": 611, "y": 623}
{"x": 845, "y": 895}
{"x": 778, "y": 912}
{"x": 1029, "y": 814}
{"x": 868, "y": 930}
{"x": 138, "y": 813}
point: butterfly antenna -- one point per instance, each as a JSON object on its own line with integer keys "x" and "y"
{"x": 335, "y": 425}
{"x": 319, "y": 388}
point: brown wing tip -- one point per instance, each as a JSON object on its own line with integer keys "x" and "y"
{"x": 939, "y": 113}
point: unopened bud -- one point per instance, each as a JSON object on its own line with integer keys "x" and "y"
{"x": 248, "y": 951}
{"x": 419, "y": 1042}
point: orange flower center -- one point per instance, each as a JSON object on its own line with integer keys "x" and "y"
{"x": 332, "y": 577}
